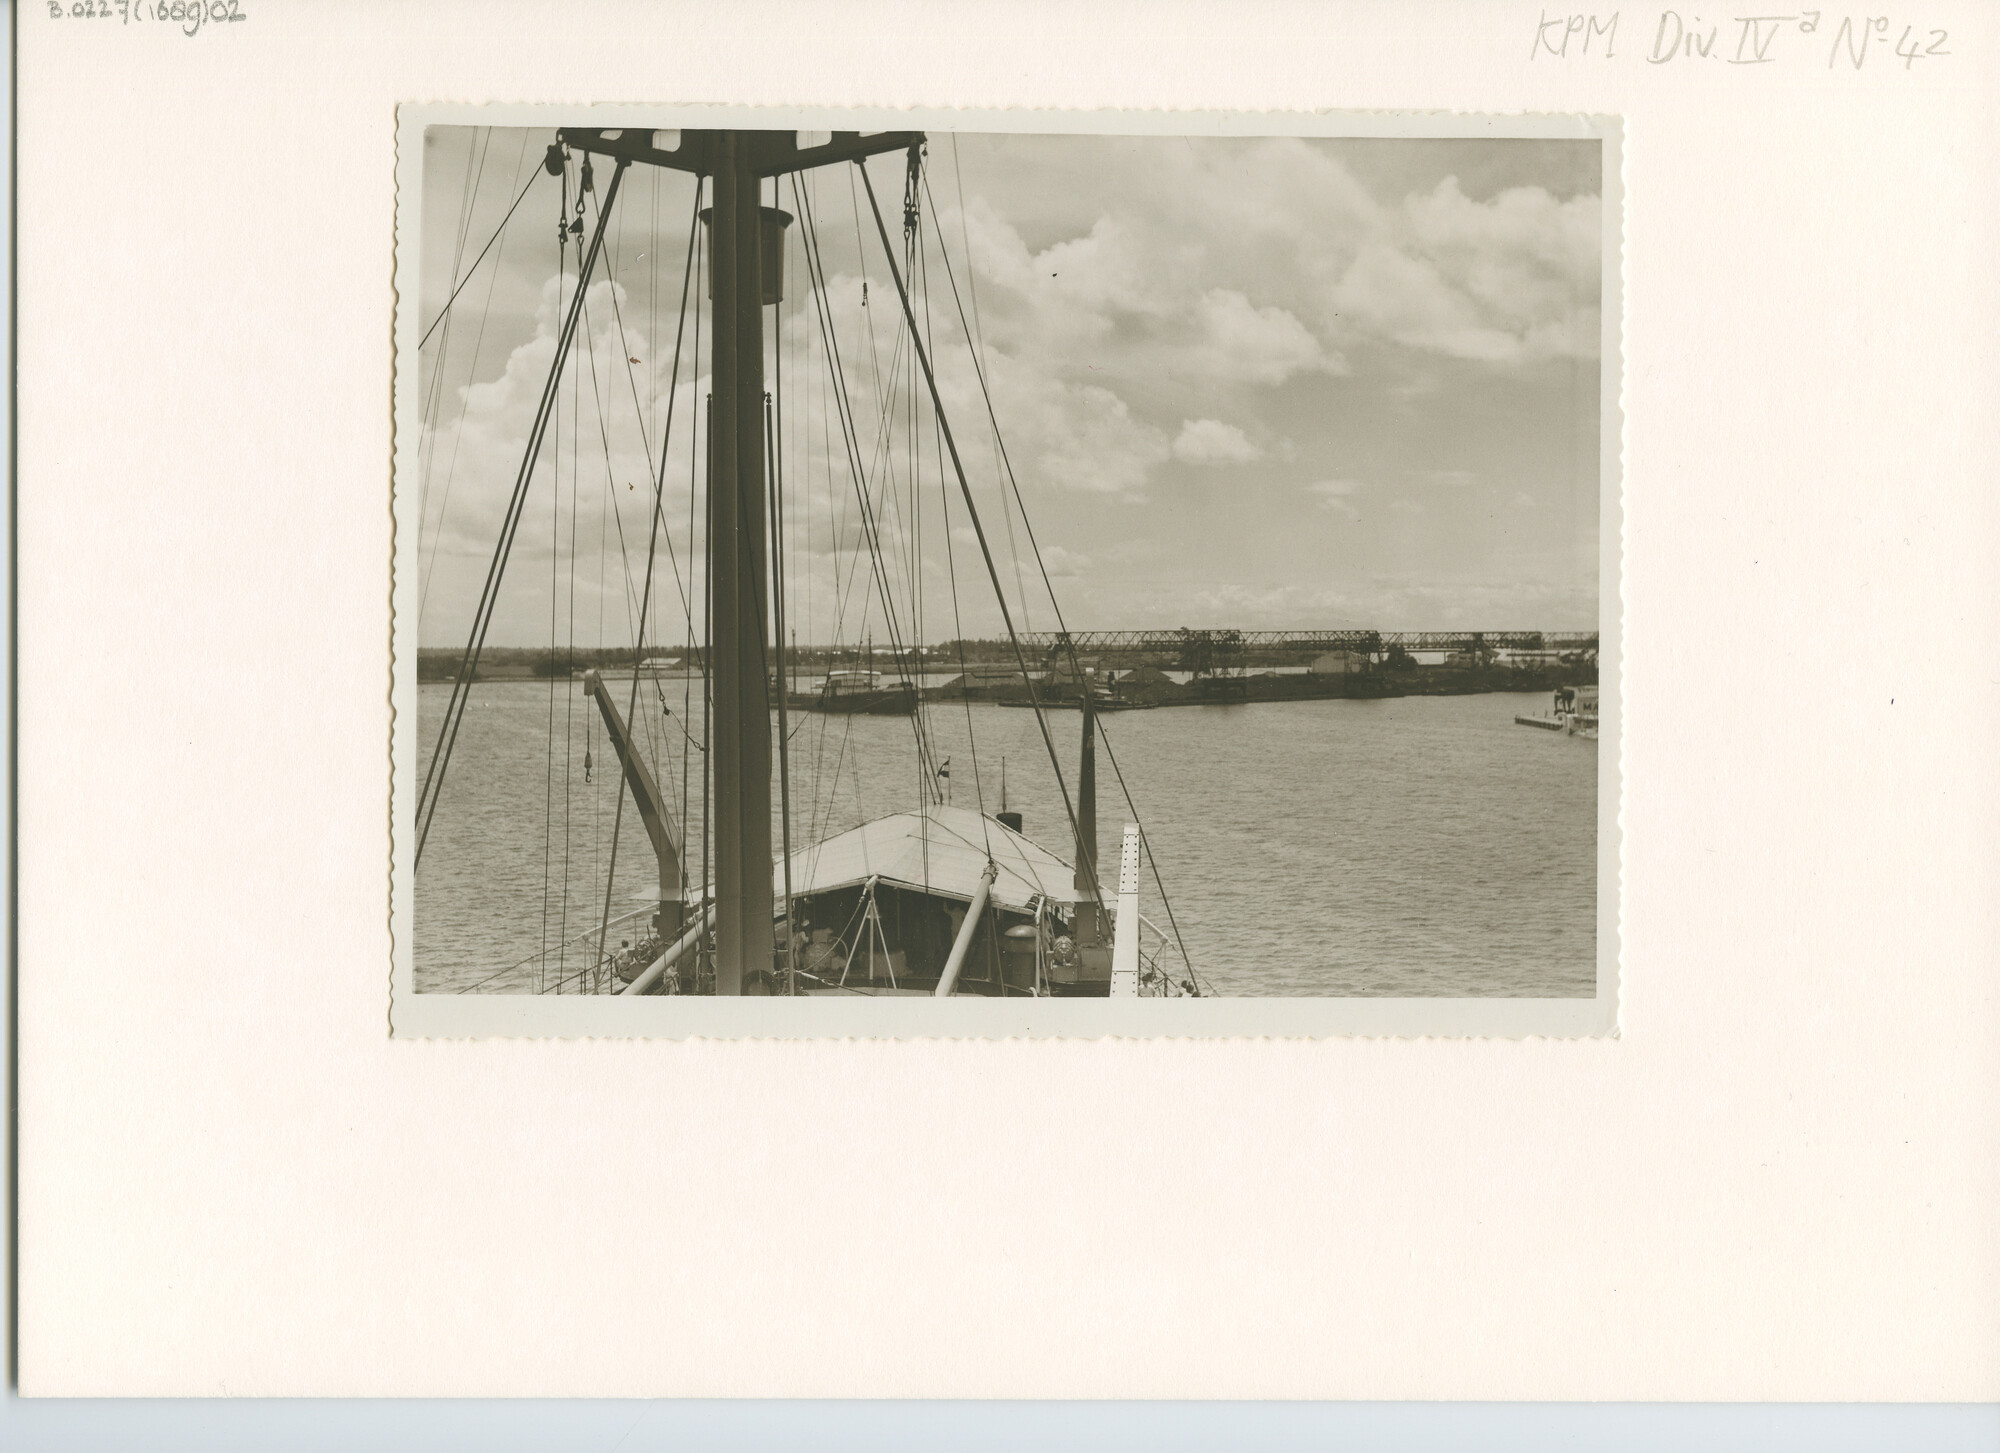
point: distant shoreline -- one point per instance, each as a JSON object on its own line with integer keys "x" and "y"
{"x": 1207, "y": 691}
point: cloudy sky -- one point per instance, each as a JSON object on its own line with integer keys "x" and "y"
{"x": 1248, "y": 382}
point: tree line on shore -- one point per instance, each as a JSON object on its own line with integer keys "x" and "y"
{"x": 441, "y": 663}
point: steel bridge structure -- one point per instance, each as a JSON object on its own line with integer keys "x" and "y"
{"x": 1212, "y": 644}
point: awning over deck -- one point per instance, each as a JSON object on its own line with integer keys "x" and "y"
{"x": 942, "y": 850}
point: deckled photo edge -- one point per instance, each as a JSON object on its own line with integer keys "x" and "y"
{"x": 433, "y": 1015}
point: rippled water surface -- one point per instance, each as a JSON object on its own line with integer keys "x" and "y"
{"x": 1409, "y": 846}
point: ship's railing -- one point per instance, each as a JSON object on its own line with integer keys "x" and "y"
{"x": 576, "y": 966}
{"x": 1160, "y": 975}
{"x": 572, "y": 966}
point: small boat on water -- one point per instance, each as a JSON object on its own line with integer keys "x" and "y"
{"x": 1098, "y": 702}
{"x": 845, "y": 692}
{"x": 1573, "y": 710}
{"x": 1073, "y": 689}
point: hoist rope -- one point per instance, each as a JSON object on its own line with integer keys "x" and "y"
{"x": 548, "y": 759}
{"x": 440, "y": 763}
{"x": 850, "y": 438}
{"x": 1042, "y": 566}
{"x": 979, "y": 529}
{"x": 645, "y": 438}
{"x": 951, "y": 563}
{"x": 878, "y": 477}
{"x": 652, "y": 537}
{"x": 556, "y": 664}
{"x": 881, "y": 468}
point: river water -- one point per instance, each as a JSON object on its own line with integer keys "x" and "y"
{"x": 1410, "y": 846}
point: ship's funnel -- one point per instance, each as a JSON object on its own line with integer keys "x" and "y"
{"x": 770, "y": 251}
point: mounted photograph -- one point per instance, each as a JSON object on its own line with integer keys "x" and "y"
{"x": 915, "y": 574}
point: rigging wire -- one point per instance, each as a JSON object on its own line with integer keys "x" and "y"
{"x": 944, "y": 496}
{"x": 708, "y": 653}
{"x": 985, "y": 550}
{"x": 528, "y": 959}
{"x": 695, "y": 422}
{"x": 872, "y": 512}
{"x": 881, "y": 468}
{"x": 468, "y": 199}
{"x": 458, "y": 433}
{"x": 776, "y": 501}
{"x": 561, "y": 670}
{"x": 434, "y": 775}
{"x": 433, "y": 392}
{"x": 838, "y": 514}
{"x": 774, "y": 425}
{"x": 446, "y": 309}
{"x": 624, "y": 352}
{"x": 849, "y": 436}
{"x": 979, "y": 350}
{"x": 652, "y": 537}
{"x": 884, "y": 460}
{"x": 880, "y": 465}
{"x": 914, "y": 533}
{"x": 1055, "y": 605}
{"x": 652, "y": 255}
{"x": 555, "y": 504}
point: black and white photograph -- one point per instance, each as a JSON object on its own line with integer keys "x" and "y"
{"x": 978, "y": 564}
{"x": 1163, "y": 727}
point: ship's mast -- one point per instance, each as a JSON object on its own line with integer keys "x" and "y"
{"x": 746, "y": 247}
{"x": 741, "y": 751}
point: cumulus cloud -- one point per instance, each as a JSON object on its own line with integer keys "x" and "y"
{"x": 1210, "y": 441}
{"x": 1337, "y": 495}
{"x": 1089, "y": 336}
{"x": 1244, "y": 266}
{"x": 1063, "y": 563}
{"x": 1505, "y": 281}
{"x": 1274, "y": 307}
{"x": 477, "y": 452}
{"x": 1237, "y": 341}
{"x": 1080, "y": 436}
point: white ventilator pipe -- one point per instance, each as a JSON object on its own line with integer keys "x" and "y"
{"x": 674, "y": 954}
{"x": 949, "y": 979}
{"x": 1125, "y": 936}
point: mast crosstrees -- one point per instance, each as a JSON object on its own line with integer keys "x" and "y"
{"x": 1039, "y": 941}
{"x": 736, "y": 162}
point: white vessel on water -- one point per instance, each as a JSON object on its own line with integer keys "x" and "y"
{"x": 1572, "y": 710}
{"x": 936, "y": 900}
